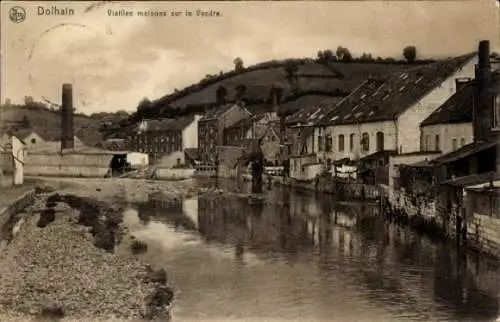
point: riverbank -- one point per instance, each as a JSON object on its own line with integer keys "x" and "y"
{"x": 64, "y": 262}
{"x": 481, "y": 233}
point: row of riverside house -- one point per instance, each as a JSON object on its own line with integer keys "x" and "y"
{"x": 428, "y": 135}
{"x": 218, "y": 137}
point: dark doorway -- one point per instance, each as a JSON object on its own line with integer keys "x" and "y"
{"x": 118, "y": 164}
{"x": 380, "y": 141}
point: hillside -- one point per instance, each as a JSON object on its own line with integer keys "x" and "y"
{"x": 20, "y": 118}
{"x": 309, "y": 76}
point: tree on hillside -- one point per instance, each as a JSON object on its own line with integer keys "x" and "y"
{"x": 410, "y": 54}
{"x": 321, "y": 56}
{"x": 25, "y": 122}
{"x": 238, "y": 64}
{"x": 366, "y": 57}
{"x": 326, "y": 56}
{"x": 275, "y": 94}
{"x": 144, "y": 108}
{"x": 241, "y": 91}
{"x": 329, "y": 56}
{"x": 28, "y": 100}
{"x": 291, "y": 70}
{"x": 221, "y": 94}
{"x": 343, "y": 54}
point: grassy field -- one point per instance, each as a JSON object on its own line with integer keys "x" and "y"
{"x": 47, "y": 122}
{"x": 311, "y": 76}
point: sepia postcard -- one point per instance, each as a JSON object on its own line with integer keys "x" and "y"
{"x": 247, "y": 161}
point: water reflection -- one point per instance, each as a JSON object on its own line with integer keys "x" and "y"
{"x": 300, "y": 255}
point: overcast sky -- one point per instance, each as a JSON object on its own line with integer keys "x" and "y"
{"x": 114, "y": 62}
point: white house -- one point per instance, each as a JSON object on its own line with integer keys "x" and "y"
{"x": 179, "y": 135}
{"x": 450, "y": 126}
{"x": 137, "y": 159}
{"x": 384, "y": 113}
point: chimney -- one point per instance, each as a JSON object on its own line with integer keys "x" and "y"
{"x": 483, "y": 97}
{"x": 67, "y": 135}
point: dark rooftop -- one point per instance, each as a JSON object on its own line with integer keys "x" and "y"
{"x": 216, "y": 112}
{"x": 169, "y": 124}
{"x": 467, "y": 150}
{"x": 312, "y": 111}
{"x": 378, "y": 154}
{"x": 386, "y": 97}
{"x": 473, "y": 179}
{"x": 457, "y": 109}
{"x": 247, "y": 122}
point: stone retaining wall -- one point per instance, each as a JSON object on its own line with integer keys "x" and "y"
{"x": 15, "y": 207}
{"x": 173, "y": 174}
{"x": 483, "y": 233}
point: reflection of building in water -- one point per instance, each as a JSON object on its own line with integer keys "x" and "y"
{"x": 164, "y": 209}
{"x": 221, "y": 219}
{"x": 161, "y": 204}
{"x": 264, "y": 227}
{"x": 304, "y": 206}
{"x": 190, "y": 209}
{"x": 344, "y": 219}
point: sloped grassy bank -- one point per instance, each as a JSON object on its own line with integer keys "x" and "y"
{"x": 62, "y": 265}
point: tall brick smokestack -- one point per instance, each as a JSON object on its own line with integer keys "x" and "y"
{"x": 483, "y": 98}
{"x": 67, "y": 135}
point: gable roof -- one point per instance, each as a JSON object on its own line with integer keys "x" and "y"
{"x": 386, "y": 97}
{"x": 309, "y": 113}
{"x": 457, "y": 109}
{"x": 467, "y": 150}
{"x": 216, "y": 112}
{"x": 45, "y": 135}
{"x": 273, "y": 128}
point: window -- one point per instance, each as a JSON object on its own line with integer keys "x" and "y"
{"x": 427, "y": 146}
{"x": 341, "y": 142}
{"x": 178, "y": 161}
{"x": 437, "y": 143}
{"x": 496, "y": 113}
{"x": 454, "y": 144}
{"x": 33, "y": 140}
{"x": 351, "y": 141}
{"x": 365, "y": 142}
{"x": 328, "y": 143}
{"x": 380, "y": 141}
{"x": 320, "y": 143}
{"x": 462, "y": 142}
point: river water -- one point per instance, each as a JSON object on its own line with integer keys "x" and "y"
{"x": 297, "y": 256}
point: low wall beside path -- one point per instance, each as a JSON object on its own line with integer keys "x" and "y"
{"x": 11, "y": 207}
{"x": 345, "y": 191}
{"x": 173, "y": 173}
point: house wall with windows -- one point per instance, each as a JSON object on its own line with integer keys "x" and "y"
{"x": 211, "y": 130}
{"x": 408, "y": 123}
{"x": 304, "y": 167}
{"x": 190, "y": 134}
{"x": 32, "y": 139}
{"x": 354, "y": 141}
{"x": 446, "y": 137}
{"x": 208, "y": 138}
{"x": 270, "y": 146}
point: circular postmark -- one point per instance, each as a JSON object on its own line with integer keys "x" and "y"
{"x": 17, "y": 14}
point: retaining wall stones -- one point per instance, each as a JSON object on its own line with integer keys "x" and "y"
{"x": 13, "y": 208}
{"x": 483, "y": 233}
